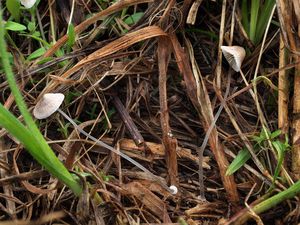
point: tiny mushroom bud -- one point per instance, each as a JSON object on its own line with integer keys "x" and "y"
{"x": 47, "y": 105}
{"x": 234, "y": 55}
{"x": 28, "y": 3}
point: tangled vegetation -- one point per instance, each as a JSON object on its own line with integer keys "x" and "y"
{"x": 150, "y": 112}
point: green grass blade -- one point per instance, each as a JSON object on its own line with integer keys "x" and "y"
{"x": 245, "y": 16}
{"x": 239, "y": 161}
{"x": 281, "y": 149}
{"x": 291, "y": 192}
{"x": 13, "y": 26}
{"x": 263, "y": 20}
{"x": 12, "y": 82}
{"x": 40, "y": 150}
{"x": 13, "y": 7}
{"x": 71, "y": 36}
{"x": 134, "y": 18}
{"x": 255, "y": 4}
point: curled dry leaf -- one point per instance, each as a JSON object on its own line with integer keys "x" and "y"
{"x": 114, "y": 46}
{"x": 234, "y": 55}
{"x": 47, "y": 105}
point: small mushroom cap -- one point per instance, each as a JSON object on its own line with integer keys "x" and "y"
{"x": 234, "y": 56}
{"x": 47, "y": 105}
{"x": 28, "y": 3}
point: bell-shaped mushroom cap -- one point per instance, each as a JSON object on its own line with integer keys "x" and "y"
{"x": 234, "y": 55}
{"x": 47, "y": 105}
{"x": 28, "y": 3}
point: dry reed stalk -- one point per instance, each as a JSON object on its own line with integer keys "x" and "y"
{"x": 289, "y": 17}
{"x": 218, "y": 78}
{"x": 283, "y": 93}
{"x": 296, "y": 102}
{"x": 185, "y": 9}
{"x": 48, "y": 218}
{"x": 170, "y": 143}
{"x": 191, "y": 18}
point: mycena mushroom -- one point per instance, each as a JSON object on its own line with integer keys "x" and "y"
{"x": 235, "y": 56}
{"x": 51, "y": 102}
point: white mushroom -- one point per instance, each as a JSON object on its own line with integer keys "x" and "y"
{"x": 48, "y": 104}
{"x": 28, "y": 3}
{"x": 234, "y": 55}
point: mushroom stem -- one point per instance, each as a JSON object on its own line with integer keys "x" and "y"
{"x": 123, "y": 155}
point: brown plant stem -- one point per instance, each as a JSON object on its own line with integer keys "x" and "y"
{"x": 283, "y": 91}
{"x": 170, "y": 143}
{"x": 289, "y": 20}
